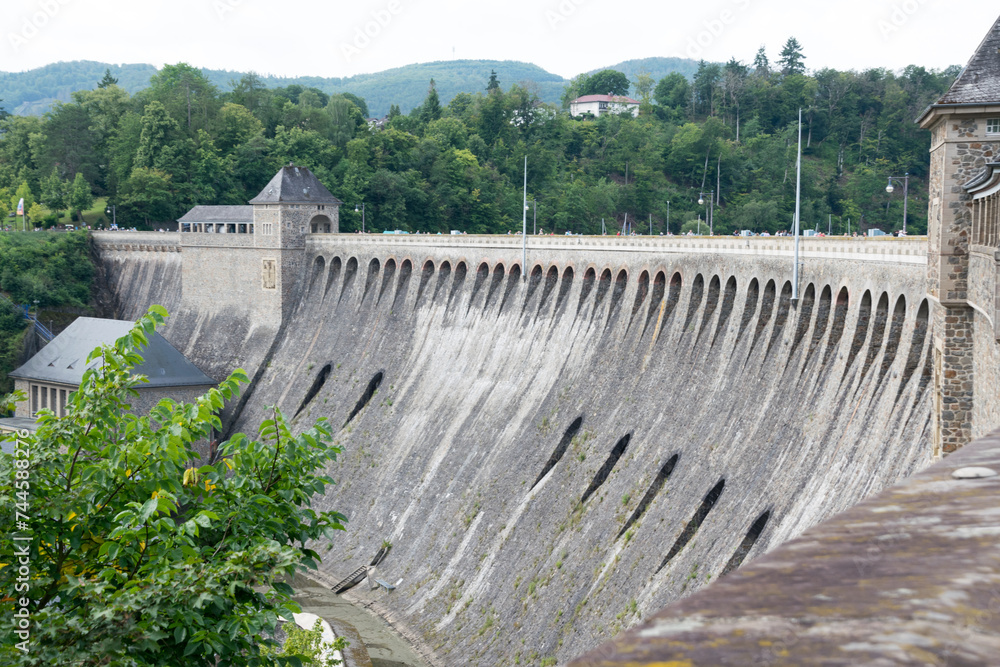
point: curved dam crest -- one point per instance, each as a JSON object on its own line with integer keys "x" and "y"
{"x": 554, "y": 458}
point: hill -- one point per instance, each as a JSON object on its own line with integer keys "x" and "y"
{"x": 34, "y": 91}
{"x": 656, "y": 67}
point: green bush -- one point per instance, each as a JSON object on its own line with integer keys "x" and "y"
{"x": 307, "y": 644}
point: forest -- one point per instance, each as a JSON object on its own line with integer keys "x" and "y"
{"x": 726, "y": 135}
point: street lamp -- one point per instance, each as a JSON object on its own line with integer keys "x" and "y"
{"x": 906, "y": 193}
{"x": 362, "y": 210}
{"x": 711, "y": 209}
{"x": 113, "y": 210}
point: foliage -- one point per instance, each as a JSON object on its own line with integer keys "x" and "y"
{"x": 455, "y": 160}
{"x": 80, "y": 196}
{"x": 605, "y": 82}
{"x": 141, "y": 554}
{"x": 54, "y": 269}
{"x": 309, "y": 645}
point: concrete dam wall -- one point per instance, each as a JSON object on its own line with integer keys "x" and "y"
{"x": 554, "y": 458}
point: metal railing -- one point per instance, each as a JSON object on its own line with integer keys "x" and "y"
{"x": 40, "y": 328}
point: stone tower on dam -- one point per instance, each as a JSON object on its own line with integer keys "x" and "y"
{"x": 964, "y": 247}
{"x": 556, "y": 448}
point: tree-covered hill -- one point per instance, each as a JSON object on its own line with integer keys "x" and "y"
{"x": 729, "y": 130}
{"x": 655, "y": 67}
{"x": 33, "y": 92}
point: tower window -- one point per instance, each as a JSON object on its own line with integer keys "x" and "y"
{"x": 993, "y": 126}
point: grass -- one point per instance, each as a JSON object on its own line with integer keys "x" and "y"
{"x": 94, "y": 215}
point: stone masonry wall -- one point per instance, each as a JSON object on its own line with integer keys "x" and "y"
{"x": 464, "y": 379}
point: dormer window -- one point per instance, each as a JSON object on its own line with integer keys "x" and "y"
{"x": 993, "y": 126}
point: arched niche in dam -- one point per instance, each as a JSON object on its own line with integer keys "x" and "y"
{"x": 560, "y": 449}
{"x": 333, "y": 275}
{"x": 366, "y": 396}
{"x": 315, "y": 388}
{"x": 692, "y": 526}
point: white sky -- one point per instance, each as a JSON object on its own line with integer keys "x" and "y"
{"x": 306, "y": 37}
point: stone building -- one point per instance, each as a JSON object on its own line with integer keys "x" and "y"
{"x": 49, "y": 377}
{"x": 266, "y": 240}
{"x": 964, "y": 247}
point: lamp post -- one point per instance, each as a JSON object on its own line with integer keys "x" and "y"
{"x": 113, "y": 210}
{"x": 668, "y": 216}
{"x": 362, "y": 210}
{"x": 906, "y": 193}
{"x": 524, "y": 225}
{"x": 711, "y": 209}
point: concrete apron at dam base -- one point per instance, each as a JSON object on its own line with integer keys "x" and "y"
{"x": 376, "y": 643}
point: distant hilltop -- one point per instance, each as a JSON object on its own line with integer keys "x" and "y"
{"x": 32, "y": 92}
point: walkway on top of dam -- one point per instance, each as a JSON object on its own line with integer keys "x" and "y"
{"x": 910, "y": 250}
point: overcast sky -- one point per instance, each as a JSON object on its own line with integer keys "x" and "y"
{"x": 563, "y": 36}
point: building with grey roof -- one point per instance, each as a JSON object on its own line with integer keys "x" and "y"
{"x": 295, "y": 194}
{"x": 57, "y": 370}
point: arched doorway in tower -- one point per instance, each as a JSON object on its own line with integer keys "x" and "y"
{"x": 321, "y": 224}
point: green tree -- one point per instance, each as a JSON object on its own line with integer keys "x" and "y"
{"x": 146, "y": 195}
{"x": 107, "y": 80}
{"x": 605, "y": 82}
{"x": 158, "y": 131}
{"x": 236, "y": 125}
{"x": 189, "y": 97}
{"x": 431, "y": 109}
{"x": 23, "y": 192}
{"x": 35, "y": 214}
{"x": 493, "y": 83}
{"x": 673, "y": 91}
{"x": 644, "y": 86}
{"x": 143, "y": 553}
{"x": 792, "y": 61}
{"x": 761, "y": 65}
{"x": 80, "y": 196}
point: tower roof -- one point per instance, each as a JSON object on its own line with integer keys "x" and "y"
{"x": 297, "y": 185}
{"x": 979, "y": 82}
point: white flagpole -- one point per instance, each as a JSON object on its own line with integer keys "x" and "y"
{"x": 798, "y": 210}
{"x": 524, "y": 225}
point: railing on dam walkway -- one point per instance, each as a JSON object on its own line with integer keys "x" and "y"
{"x": 912, "y": 250}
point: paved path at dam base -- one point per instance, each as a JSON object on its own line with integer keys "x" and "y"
{"x": 385, "y": 648}
{"x": 909, "y": 577}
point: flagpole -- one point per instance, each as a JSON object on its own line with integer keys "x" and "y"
{"x": 798, "y": 211}
{"x": 524, "y": 225}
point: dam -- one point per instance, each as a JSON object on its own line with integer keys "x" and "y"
{"x": 559, "y": 436}
{"x": 554, "y": 456}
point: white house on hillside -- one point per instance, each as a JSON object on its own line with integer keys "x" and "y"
{"x": 599, "y": 105}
